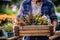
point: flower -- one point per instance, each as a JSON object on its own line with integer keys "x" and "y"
{"x": 44, "y": 17}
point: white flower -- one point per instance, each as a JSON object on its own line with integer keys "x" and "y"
{"x": 44, "y": 17}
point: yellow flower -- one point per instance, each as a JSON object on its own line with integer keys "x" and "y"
{"x": 44, "y": 22}
{"x": 40, "y": 18}
{"x": 37, "y": 18}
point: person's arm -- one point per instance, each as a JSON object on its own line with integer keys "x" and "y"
{"x": 54, "y": 25}
{"x": 53, "y": 18}
{"x": 20, "y": 14}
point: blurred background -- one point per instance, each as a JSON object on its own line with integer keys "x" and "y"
{"x": 9, "y": 10}
{"x": 11, "y": 7}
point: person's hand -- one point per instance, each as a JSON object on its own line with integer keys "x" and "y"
{"x": 54, "y": 26}
{"x": 15, "y": 22}
{"x": 27, "y": 18}
{"x": 19, "y": 21}
{"x": 54, "y": 29}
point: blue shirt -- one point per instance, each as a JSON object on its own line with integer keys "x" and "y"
{"x": 47, "y": 9}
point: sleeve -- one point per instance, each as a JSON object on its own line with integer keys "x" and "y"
{"x": 20, "y": 12}
{"x": 53, "y": 16}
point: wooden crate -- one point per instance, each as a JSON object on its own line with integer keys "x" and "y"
{"x": 34, "y": 30}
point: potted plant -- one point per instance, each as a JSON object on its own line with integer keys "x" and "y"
{"x": 8, "y": 30}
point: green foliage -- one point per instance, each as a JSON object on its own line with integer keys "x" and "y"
{"x": 3, "y": 22}
{"x": 10, "y": 12}
{"x": 8, "y": 27}
{"x": 58, "y": 9}
{"x": 58, "y": 18}
{"x": 40, "y": 21}
{"x": 2, "y": 9}
{"x": 14, "y": 1}
{"x": 56, "y": 2}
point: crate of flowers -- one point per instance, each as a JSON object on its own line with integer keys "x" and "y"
{"x": 7, "y": 28}
{"x": 34, "y": 25}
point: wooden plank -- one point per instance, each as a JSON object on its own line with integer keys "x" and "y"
{"x": 43, "y": 34}
{"x": 53, "y": 37}
{"x": 35, "y": 27}
{"x": 2, "y": 37}
{"x": 13, "y": 38}
{"x": 57, "y": 33}
{"x": 35, "y": 31}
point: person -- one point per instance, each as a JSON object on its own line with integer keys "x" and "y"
{"x": 14, "y": 7}
{"x": 38, "y": 6}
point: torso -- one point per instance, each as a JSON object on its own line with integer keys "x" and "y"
{"x": 36, "y": 9}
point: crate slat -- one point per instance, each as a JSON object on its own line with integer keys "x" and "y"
{"x": 35, "y": 31}
{"x": 41, "y": 34}
{"x": 34, "y": 27}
